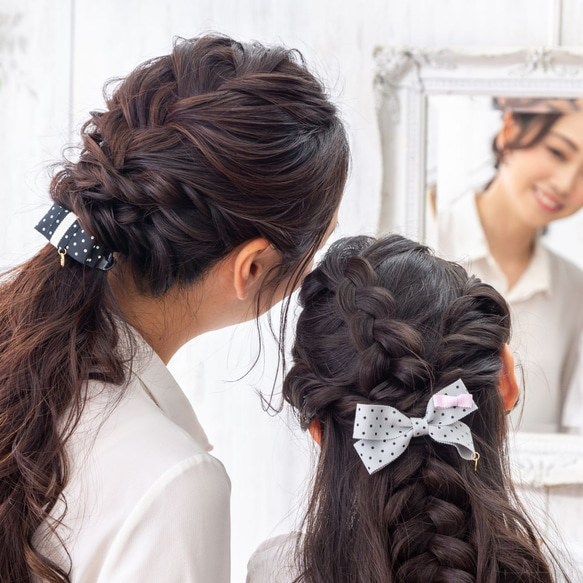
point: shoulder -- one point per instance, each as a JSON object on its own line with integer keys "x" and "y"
{"x": 273, "y": 561}
{"x": 192, "y": 482}
{"x": 142, "y": 479}
{"x": 566, "y": 279}
{"x": 131, "y": 435}
{"x": 139, "y": 482}
{"x": 132, "y": 442}
{"x": 459, "y": 229}
{"x": 565, "y": 267}
{"x": 186, "y": 513}
{"x": 459, "y": 207}
{"x": 190, "y": 489}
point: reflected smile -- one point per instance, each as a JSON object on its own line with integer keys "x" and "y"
{"x": 547, "y": 201}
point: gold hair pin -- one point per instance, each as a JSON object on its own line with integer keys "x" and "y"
{"x": 475, "y": 458}
{"x": 62, "y": 252}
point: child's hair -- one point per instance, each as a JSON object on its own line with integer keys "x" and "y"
{"x": 386, "y": 322}
{"x": 197, "y": 152}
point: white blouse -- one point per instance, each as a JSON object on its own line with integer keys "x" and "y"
{"x": 547, "y": 319}
{"x": 273, "y": 561}
{"x": 146, "y": 501}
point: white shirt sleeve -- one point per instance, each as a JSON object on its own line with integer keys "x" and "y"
{"x": 274, "y": 560}
{"x": 179, "y": 532}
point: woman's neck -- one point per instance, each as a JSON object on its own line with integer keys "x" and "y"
{"x": 168, "y": 322}
{"x": 164, "y": 322}
{"x": 510, "y": 239}
{"x": 155, "y": 320}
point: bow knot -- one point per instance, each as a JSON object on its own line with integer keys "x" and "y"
{"x": 420, "y": 426}
{"x": 384, "y": 432}
{"x": 448, "y": 401}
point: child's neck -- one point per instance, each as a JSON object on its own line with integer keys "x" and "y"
{"x": 510, "y": 239}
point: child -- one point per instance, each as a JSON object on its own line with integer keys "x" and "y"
{"x": 403, "y": 375}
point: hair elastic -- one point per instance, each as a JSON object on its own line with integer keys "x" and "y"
{"x": 62, "y": 229}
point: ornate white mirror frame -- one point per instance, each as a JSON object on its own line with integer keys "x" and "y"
{"x": 405, "y": 78}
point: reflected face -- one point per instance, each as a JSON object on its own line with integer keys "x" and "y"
{"x": 545, "y": 182}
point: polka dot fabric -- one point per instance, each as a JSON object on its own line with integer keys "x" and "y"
{"x": 384, "y": 433}
{"x": 63, "y": 230}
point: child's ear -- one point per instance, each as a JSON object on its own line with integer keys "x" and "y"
{"x": 507, "y": 379}
{"x": 315, "y": 429}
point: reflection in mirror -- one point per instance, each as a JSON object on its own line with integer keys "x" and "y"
{"x": 504, "y": 184}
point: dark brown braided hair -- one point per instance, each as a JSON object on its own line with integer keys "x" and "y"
{"x": 197, "y": 152}
{"x": 386, "y": 322}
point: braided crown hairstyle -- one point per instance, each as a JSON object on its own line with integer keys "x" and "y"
{"x": 386, "y": 322}
{"x": 196, "y": 153}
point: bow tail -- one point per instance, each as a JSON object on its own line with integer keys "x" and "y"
{"x": 378, "y": 453}
{"x": 457, "y": 434}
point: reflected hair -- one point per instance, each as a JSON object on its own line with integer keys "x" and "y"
{"x": 197, "y": 152}
{"x": 385, "y": 322}
{"x": 534, "y": 125}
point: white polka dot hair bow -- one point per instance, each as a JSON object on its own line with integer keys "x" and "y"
{"x": 384, "y": 433}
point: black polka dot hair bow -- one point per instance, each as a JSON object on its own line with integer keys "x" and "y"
{"x": 384, "y": 433}
{"x": 61, "y": 227}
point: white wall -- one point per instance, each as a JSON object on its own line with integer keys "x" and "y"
{"x": 55, "y": 56}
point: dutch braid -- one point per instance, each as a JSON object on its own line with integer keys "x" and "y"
{"x": 385, "y": 322}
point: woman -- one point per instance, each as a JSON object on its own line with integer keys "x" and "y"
{"x": 198, "y": 200}
{"x": 497, "y": 235}
{"x": 393, "y": 345}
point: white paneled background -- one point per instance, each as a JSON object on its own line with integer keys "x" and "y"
{"x": 55, "y": 56}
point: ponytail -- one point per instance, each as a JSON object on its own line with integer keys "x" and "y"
{"x": 57, "y": 330}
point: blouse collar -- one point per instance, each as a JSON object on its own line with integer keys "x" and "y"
{"x": 468, "y": 241}
{"x": 163, "y": 389}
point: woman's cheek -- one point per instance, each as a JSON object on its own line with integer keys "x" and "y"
{"x": 527, "y": 167}
{"x": 543, "y": 165}
{"x": 577, "y": 196}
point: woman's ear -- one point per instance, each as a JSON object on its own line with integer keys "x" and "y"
{"x": 508, "y": 133}
{"x": 315, "y": 429}
{"x": 252, "y": 260}
{"x": 507, "y": 379}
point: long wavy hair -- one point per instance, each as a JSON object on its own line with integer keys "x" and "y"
{"x": 386, "y": 322}
{"x": 198, "y": 151}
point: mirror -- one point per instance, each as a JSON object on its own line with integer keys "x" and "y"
{"x": 504, "y": 184}
{"x": 439, "y": 112}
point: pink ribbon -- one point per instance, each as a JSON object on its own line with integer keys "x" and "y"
{"x": 448, "y": 401}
